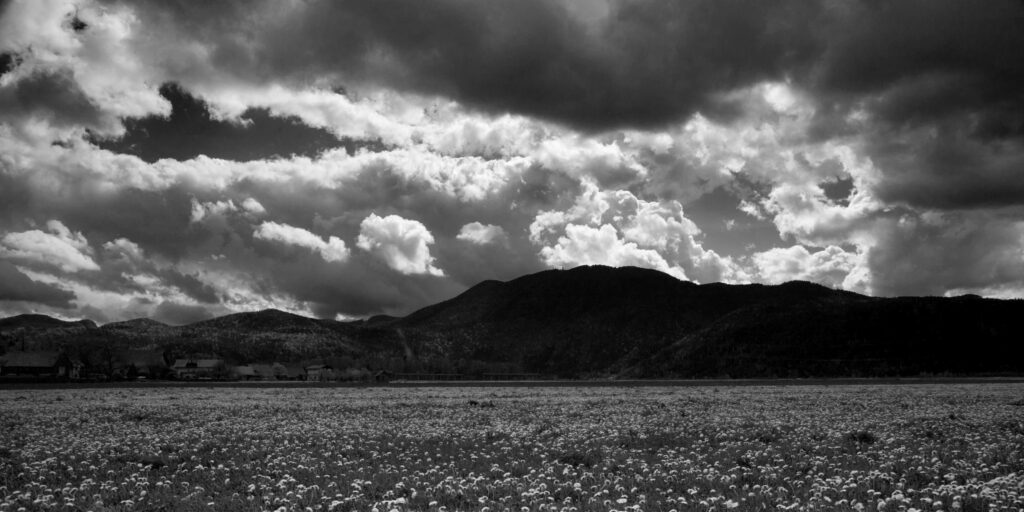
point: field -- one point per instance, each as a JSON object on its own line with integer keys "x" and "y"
{"x": 880, "y": 447}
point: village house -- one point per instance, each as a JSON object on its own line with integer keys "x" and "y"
{"x": 192, "y": 369}
{"x": 40, "y": 364}
{"x": 320, "y": 373}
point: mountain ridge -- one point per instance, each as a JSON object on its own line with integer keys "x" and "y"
{"x": 596, "y": 321}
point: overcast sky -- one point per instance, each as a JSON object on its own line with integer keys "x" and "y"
{"x": 181, "y": 159}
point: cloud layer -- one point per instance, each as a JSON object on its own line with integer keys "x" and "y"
{"x": 344, "y": 159}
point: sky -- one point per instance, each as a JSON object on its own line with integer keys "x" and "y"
{"x": 180, "y": 160}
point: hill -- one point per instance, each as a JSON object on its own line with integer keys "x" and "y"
{"x": 600, "y": 322}
{"x": 588, "y": 320}
{"x": 37, "y": 322}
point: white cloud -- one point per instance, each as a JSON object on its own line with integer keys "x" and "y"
{"x": 202, "y": 210}
{"x": 331, "y": 250}
{"x": 585, "y": 245}
{"x": 585, "y": 157}
{"x": 124, "y": 248}
{"x": 831, "y": 266}
{"x": 482, "y": 234}
{"x": 253, "y": 206}
{"x": 60, "y": 247}
{"x": 615, "y": 227}
{"x": 402, "y": 243}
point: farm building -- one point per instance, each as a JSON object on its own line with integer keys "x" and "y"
{"x": 189, "y": 369}
{"x": 319, "y": 373}
{"x": 40, "y": 364}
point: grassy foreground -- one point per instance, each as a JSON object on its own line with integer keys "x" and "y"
{"x": 892, "y": 448}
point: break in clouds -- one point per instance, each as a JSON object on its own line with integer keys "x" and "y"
{"x": 178, "y": 160}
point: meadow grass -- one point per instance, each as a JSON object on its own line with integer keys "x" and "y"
{"x": 892, "y": 448}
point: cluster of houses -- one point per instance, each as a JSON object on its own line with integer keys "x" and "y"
{"x": 148, "y": 364}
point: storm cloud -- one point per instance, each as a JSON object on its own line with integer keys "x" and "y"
{"x": 179, "y": 159}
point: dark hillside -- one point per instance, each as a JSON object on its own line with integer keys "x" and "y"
{"x": 601, "y": 322}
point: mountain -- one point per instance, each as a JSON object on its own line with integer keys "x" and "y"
{"x": 848, "y": 336}
{"x": 589, "y": 320}
{"x": 602, "y": 322}
{"x": 37, "y": 322}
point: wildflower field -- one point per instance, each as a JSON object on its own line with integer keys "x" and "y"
{"x": 872, "y": 447}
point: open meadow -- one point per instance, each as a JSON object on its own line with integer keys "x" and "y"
{"x": 951, "y": 447}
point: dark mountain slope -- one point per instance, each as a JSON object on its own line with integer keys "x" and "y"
{"x": 601, "y": 321}
{"x": 849, "y": 336}
{"x": 585, "y": 320}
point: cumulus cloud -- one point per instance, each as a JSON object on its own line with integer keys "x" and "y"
{"x": 714, "y": 139}
{"x": 585, "y": 245}
{"x": 482, "y": 234}
{"x": 402, "y": 244}
{"x": 832, "y": 266}
{"x": 616, "y": 226}
{"x": 201, "y": 210}
{"x": 253, "y": 206}
{"x": 331, "y": 250}
{"x": 59, "y": 248}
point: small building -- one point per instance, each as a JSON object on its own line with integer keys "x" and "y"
{"x": 40, "y": 364}
{"x": 320, "y": 373}
{"x": 192, "y": 369}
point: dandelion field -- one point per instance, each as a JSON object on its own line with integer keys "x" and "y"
{"x": 872, "y": 447}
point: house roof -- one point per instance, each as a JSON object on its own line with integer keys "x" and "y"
{"x": 31, "y": 359}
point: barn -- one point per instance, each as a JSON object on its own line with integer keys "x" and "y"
{"x": 42, "y": 364}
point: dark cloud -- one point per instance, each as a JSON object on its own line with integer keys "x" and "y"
{"x": 928, "y": 91}
{"x": 925, "y": 58}
{"x": 945, "y": 167}
{"x": 935, "y": 254}
{"x": 191, "y": 130}
{"x": 189, "y": 285}
{"x": 645, "y": 63}
{"x": 16, "y": 286}
{"x": 52, "y": 95}
{"x": 8, "y": 61}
